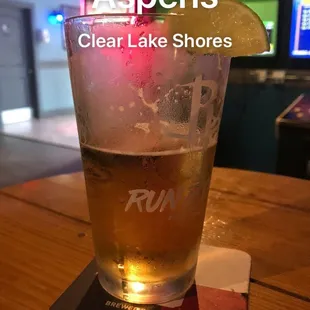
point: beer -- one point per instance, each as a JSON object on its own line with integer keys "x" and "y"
{"x": 147, "y": 213}
{"x": 148, "y": 120}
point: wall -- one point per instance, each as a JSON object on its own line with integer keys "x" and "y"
{"x": 54, "y": 89}
{"x": 247, "y": 138}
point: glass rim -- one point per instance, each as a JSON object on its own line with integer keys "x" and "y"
{"x": 115, "y": 15}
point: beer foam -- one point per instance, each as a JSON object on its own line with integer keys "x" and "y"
{"x": 138, "y": 146}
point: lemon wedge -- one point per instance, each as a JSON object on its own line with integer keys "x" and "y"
{"x": 230, "y": 18}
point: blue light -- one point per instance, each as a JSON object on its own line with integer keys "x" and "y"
{"x": 59, "y": 18}
{"x": 55, "y": 18}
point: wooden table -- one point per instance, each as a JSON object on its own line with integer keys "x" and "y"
{"x": 45, "y": 236}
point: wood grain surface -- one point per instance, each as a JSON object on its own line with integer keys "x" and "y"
{"x": 41, "y": 254}
{"x": 284, "y": 191}
{"x": 262, "y": 298}
{"x": 46, "y": 237}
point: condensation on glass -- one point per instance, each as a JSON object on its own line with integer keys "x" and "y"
{"x": 148, "y": 121}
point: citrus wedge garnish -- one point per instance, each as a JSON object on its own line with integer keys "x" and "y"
{"x": 230, "y": 18}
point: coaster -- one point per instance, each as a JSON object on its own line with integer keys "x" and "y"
{"x": 221, "y": 283}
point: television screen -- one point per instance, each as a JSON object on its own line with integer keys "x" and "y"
{"x": 300, "y": 29}
{"x": 267, "y": 10}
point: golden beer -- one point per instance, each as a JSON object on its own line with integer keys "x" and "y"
{"x": 148, "y": 120}
{"x": 147, "y": 215}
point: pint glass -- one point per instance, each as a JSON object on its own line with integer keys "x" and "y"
{"x": 148, "y": 118}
